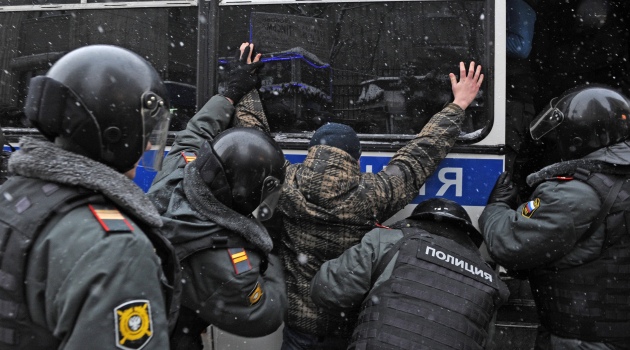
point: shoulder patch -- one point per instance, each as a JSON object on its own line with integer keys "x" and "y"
{"x": 189, "y": 156}
{"x": 110, "y": 219}
{"x": 530, "y": 207}
{"x": 563, "y": 178}
{"x": 255, "y": 295}
{"x": 134, "y": 327}
{"x": 377, "y": 224}
{"x": 240, "y": 261}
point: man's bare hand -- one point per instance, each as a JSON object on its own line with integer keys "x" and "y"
{"x": 247, "y": 49}
{"x": 465, "y": 90}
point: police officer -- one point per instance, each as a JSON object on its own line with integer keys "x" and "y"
{"x": 572, "y": 236}
{"x": 214, "y": 191}
{"x": 426, "y": 282}
{"x": 83, "y": 263}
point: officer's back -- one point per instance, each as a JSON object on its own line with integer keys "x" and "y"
{"x": 426, "y": 283}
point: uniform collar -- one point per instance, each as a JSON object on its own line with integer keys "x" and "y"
{"x": 207, "y": 206}
{"x": 45, "y": 161}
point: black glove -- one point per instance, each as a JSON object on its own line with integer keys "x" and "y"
{"x": 504, "y": 191}
{"x": 243, "y": 78}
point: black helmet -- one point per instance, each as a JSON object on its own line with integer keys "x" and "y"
{"x": 583, "y": 120}
{"x": 103, "y": 102}
{"x": 437, "y": 209}
{"x": 244, "y": 168}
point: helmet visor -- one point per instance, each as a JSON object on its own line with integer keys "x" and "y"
{"x": 272, "y": 189}
{"x": 546, "y": 121}
{"x": 158, "y": 139}
{"x": 156, "y": 115}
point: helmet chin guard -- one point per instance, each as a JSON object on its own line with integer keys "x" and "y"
{"x": 250, "y": 165}
{"x": 271, "y": 191}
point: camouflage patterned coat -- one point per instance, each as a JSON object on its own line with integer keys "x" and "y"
{"x": 328, "y": 205}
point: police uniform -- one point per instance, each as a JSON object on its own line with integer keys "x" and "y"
{"x": 231, "y": 280}
{"x": 573, "y": 238}
{"x": 79, "y": 266}
{"x": 423, "y": 289}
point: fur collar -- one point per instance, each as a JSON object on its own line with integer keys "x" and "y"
{"x": 45, "y": 161}
{"x": 208, "y": 207}
{"x": 571, "y": 166}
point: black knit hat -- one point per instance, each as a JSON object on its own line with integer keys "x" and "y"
{"x": 340, "y": 136}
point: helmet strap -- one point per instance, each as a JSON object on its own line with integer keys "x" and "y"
{"x": 271, "y": 191}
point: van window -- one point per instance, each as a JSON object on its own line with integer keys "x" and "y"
{"x": 380, "y": 67}
{"x": 32, "y": 41}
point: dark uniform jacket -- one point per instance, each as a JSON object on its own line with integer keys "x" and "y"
{"x": 93, "y": 278}
{"x": 426, "y": 298}
{"x": 546, "y": 236}
{"x": 238, "y": 290}
{"x": 327, "y": 205}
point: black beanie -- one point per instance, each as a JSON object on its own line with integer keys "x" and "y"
{"x": 338, "y": 135}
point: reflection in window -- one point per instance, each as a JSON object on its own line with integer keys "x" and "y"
{"x": 33, "y": 41}
{"x": 379, "y": 67}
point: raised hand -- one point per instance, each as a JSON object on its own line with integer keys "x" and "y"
{"x": 465, "y": 90}
{"x": 247, "y": 50}
{"x": 244, "y": 77}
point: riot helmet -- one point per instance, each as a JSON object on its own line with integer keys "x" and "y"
{"x": 442, "y": 209}
{"x": 104, "y": 102}
{"x": 582, "y": 120}
{"x": 244, "y": 168}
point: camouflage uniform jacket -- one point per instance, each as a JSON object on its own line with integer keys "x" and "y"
{"x": 328, "y": 205}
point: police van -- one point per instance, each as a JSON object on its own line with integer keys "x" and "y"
{"x": 380, "y": 66}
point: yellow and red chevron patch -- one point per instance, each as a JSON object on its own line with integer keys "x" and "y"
{"x": 189, "y": 156}
{"x": 240, "y": 261}
{"x": 110, "y": 218}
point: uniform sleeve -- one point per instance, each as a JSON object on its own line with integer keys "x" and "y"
{"x": 410, "y": 167}
{"x": 228, "y": 290}
{"x": 212, "y": 118}
{"x": 542, "y": 230}
{"x": 100, "y": 289}
{"x": 342, "y": 283}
